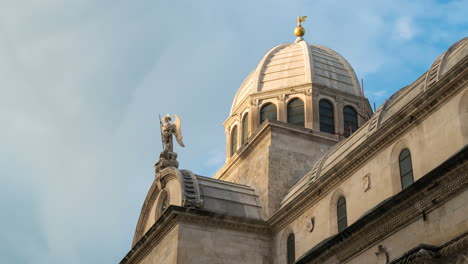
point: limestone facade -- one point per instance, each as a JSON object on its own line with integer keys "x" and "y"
{"x": 287, "y": 179}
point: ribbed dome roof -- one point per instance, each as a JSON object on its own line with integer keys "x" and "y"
{"x": 289, "y": 65}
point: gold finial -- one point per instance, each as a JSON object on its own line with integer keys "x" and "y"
{"x": 299, "y": 31}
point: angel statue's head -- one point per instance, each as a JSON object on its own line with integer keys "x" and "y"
{"x": 167, "y": 118}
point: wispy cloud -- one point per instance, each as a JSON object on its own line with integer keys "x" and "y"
{"x": 82, "y": 82}
{"x": 405, "y": 28}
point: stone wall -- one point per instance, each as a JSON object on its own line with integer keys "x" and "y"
{"x": 272, "y": 162}
{"x": 200, "y": 244}
{"x": 165, "y": 251}
{"x": 430, "y": 142}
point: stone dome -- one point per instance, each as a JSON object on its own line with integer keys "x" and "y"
{"x": 290, "y": 65}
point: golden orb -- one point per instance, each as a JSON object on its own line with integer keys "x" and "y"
{"x": 299, "y": 31}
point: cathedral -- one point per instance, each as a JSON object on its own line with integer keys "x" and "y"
{"x": 314, "y": 175}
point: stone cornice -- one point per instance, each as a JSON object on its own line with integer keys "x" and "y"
{"x": 408, "y": 117}
{"x": 259, "y": 135}
{"x": 175, "y": 215}
{"x": 423, "y": 252}
{"x": 423, "y": 196}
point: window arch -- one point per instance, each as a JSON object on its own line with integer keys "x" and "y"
{"x": 268, "y": 111}
{"x": 406, "y": 169}
{"x": 245, "y": 128}
{"x": 296, "y": 112}
{"x": 327, "y": 121}
{"x": 233, "y": 140}
{"x": 341, "y": 214}
{"x": 350, "y": 120}
{"x": 291, "y": 249}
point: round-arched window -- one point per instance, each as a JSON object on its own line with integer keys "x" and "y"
{"x": 350, "y": 120}
{"x": 234, "y": 140}
{"x": 406, "y": 169}
{"x": 245, "y": 128}
{"x": 296, "y": 112}
{"x": 327, "y": 121}
{"x": 268, "y": 111}
{"x": 341, "y": 214}
{"x": 291, "y": 249}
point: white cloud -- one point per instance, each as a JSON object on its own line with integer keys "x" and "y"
{"x": 405, "y": 28}
{"x": 82, "y": 82}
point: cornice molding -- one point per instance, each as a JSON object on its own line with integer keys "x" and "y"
{"x": 175, "y": 215}
{"x": 259, "y": 134}
{"x": 425, "y": 195}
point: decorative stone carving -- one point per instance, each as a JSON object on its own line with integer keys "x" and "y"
{"x": 312, "y": 224}
{"x": 254, "y": 102}
{"x": 315, "y": 93}
{"x": 366, "y": 182}
{"x": 339, "y": 100}
{"x": 308, "y": 92}
{"x": 281, "y": 97}
{"x": 382, "y": 255}
{"x": 168, "y": 158}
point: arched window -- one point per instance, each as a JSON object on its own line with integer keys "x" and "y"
{"x": 268, "y": 111}
{"x": 327, "y": 122}
{"x": 291, "y": 249}
{"x": 296, "y": 112}
{"x": 406, "y": 169}
{"x": 245, "y": 128}
{"x": 350, "y": 120}
{"x": 341, "y": 214}
{"x": 233, "y": 140}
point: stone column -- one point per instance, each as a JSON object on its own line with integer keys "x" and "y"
{"x": 315, "y": 110}
{"x": 308, "y": 109}
{"x": 338, "y": 112}
{"x": 228, "y": 142}
{"x": 282, "y": 112}
{"x": 254, "y": 116}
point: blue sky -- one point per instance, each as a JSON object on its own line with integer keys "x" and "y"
{"x": 82, "y": 83}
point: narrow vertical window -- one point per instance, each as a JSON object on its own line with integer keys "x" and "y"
{"x": 245, "y": 128}
{"x": 327, "y": 121}
{"x": 341, "y": 214}
{"x": 234, "y": 140}
{"x": 268, "y": 111}
{"x": 291, "y": 249}
{"x": 296, "y": 112}
{"x": 350, "y": 120}
{"x": 406, "y": 169}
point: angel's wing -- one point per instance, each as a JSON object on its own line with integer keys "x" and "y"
{"x": 177, "y": 131}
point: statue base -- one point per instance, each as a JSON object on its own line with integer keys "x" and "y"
{"x": 166, "y": 159}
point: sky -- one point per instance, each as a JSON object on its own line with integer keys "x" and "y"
{"x": 82, "y": 83}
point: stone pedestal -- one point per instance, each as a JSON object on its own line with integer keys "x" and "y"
{"x": 166, "y": 159}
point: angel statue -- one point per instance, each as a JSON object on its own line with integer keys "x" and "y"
{"x": 167, "y": 129}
